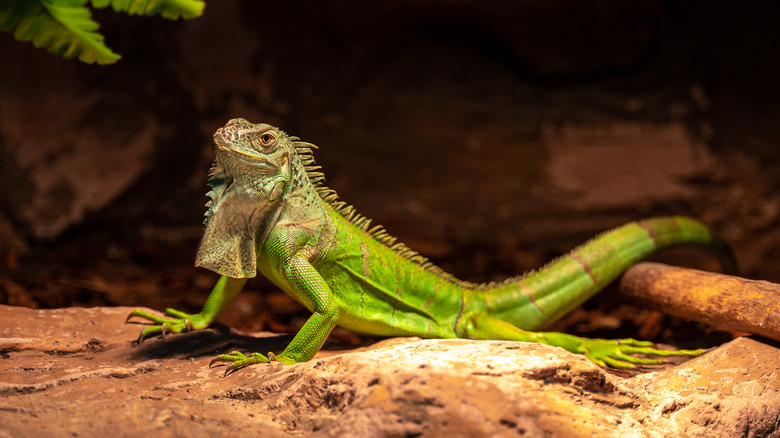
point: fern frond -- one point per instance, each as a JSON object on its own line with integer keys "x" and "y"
{"x": 63, "y": 27}
{"x": 77, "y": 36}
{"x": 66, "y": 28}
{"x": 170, "y": 9}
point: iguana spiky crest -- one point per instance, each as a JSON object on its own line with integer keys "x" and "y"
{"x": 377, "y": 232}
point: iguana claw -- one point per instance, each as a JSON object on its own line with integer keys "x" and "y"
{"x": 239, "y": 360}
{"x": 619, "y": 353}
{"x": 179, "y": 323}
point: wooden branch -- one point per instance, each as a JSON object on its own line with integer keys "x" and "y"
{"x": 722, "y": 301}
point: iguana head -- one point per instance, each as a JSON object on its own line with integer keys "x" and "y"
{"x": 251, "y": 174}
{"x": 256, "y": 156}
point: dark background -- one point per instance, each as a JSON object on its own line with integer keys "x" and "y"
{"x": 490, "y": 136}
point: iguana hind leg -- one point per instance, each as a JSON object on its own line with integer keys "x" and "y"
{"x": 616, "y": 353}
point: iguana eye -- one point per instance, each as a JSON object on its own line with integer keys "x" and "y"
{"x": 266, "y": 139}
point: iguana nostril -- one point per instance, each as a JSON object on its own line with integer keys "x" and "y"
{"x": 222, "y": 136}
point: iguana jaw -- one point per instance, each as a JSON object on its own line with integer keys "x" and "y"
{"x": 246, "y": 158}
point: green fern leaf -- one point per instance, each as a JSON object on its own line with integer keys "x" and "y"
{"x": 66, "y": 28}
{"x": 170, "y": 9}
{"x": 80, "y": 38}
{"x": 63, "y": 27}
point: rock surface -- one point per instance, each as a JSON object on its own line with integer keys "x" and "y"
{"x": 77, "y": 372}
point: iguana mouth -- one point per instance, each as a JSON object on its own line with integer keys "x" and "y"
{"x": 222, "y": 139}
{"x": 246, "y": 158}
{"x": 261, "y": 165}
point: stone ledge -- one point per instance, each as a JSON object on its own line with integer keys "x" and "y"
{"x": 57, "y": 381}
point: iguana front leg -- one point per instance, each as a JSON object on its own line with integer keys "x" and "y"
{"x": 221, "y": 297}
{"x": 308, "y": 285}
{"x": 616, "y": 353}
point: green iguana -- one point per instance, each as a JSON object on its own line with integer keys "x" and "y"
{"x": 270, "y": 212}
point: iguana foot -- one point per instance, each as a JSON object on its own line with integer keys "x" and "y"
{"x": 180, "y": 323}
{"x": 239, "y": 360}
{"x": 617, "y": 353}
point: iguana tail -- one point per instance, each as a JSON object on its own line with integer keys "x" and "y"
{"x": 545, "y": 295}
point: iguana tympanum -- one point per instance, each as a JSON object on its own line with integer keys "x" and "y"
{"x": 270, "y": 212}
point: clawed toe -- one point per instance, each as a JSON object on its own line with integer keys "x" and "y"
{"x": 238, "y": 360}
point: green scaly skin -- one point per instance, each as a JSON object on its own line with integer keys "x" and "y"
{"x": 270, "y": 212}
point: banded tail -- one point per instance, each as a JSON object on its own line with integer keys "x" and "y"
{"x": 570, "y": 280}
